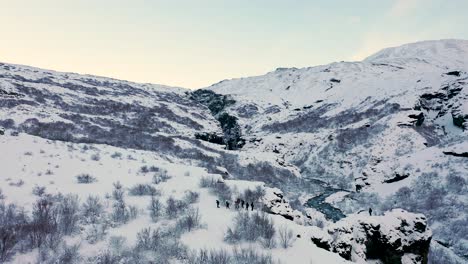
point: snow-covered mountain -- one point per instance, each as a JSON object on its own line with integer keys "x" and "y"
{"x": 323, "y": 144}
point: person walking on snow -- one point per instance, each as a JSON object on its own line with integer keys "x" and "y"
{"x": 237, "y": 203}
{"x": 217, "y": 203}
{"x": 251, "y": 205}
{"x": 370, "y": 211}
{"x": 242, "y": 203}
{"x": 227, "y": 204}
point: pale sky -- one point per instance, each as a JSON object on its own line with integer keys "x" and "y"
{"x": 196, "y": 43}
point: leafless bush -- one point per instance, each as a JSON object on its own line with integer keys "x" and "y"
{"x": 252, "y": 256}
{"x": 218, "y": 188}
{"x": 39, "y": 190}
{"x": 66, "y": 254}
{"x": 12, "y": 229}
{"x": 285, "y": 236}
{"x": 85, "y": 178}
{"x": 155, "y": 208}
{"x": 44, "y": 225}
{"x": 120, "y": 211}
{"x": 116, "y": 155}
{"x": 96, "y": 157}
{"x": 146, "y": 169}
{"x": 19, "y": 183}
{"x": 68, "y": 213}
{"x": 222, "y": 256}
{"x": 191, "y": 197}
{"x": 174, "y": 207}
{"x": 189, "y": 221}
{"x": 143, "y": 189}
{"x": 252, "y": 227}
{"x": 253, "y": 195}
{"x": 161, "y": 176}
{"x": 92, "y": 210}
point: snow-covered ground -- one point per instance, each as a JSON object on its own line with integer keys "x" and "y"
{"x": 55, "y": 165}
{"x": 386, "y": 132}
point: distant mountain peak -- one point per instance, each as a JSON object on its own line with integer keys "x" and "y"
{"x": 434, "y": 51}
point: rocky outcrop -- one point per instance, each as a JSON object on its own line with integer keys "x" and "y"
{"x": 275, "y": 203}
{"x": 397, "y": 237}
{"x": 415, "y": 118}
{"x": 217, "y": 104}
{"x": 397, "y": 177}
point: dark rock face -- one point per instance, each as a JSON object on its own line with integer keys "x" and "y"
{"x": 457, "y": 154}
{"x": 390, "y": 238}
{"x": 398, "y": 177}
{"x": 216, "y": 103}
{"x": 210, "y": 137}
{"x": 419, "y": 118}
{"x": 459, "y": 120}
{"x": 454, "y": 73}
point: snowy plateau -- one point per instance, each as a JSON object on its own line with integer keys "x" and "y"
{"x": 350, "y": 162}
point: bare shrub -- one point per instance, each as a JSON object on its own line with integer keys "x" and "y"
{"x": 44, "y": 224}
{"x": 207, "y": 182}
{"x": 39, "y": 190}
{"x": 92, "y": 210}
{"x": 253, "y": 195}
{"x": 68, "y": 213}
{"x": 174, "y": 207}
{"x": 285, "y": 236}
{"x": 161, "y": 176}
{"x": 96, "y": 157}
{"x": 67, "y": 254}
{"x": 218, "y": 188}
{"x": 252, "y": 227}
{"x": 155, "y": 208}
{"x": 12, "y": 229}
{"x": 191, "y": 197}
{"x": 85, "y": 178}
{"x": 252, "y": 256}
{"x": 18, "y": 183}
{"x": 116, "y": 155}
{"x": 222, "y": 256}
{"x": 143, "y": 189}
{"x": 189, "y": 221}
{"x": 120, "y": 212}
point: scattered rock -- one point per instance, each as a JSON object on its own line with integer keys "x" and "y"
{"x": 454, "y": 73}
{"x": 397, "y": 177}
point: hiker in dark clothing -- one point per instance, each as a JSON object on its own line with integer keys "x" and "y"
{"x": 242, "y": 203}
{"x": 237, "y": 203}
{"x": 227, "y": 204}
{"x": 370, "y": 211}
{"x": 251, "y": 205}
{"x": 247, "y": 206}
{"x": 217, "y": 203}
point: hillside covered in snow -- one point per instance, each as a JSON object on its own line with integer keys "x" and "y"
{"x": 98, "y": 170}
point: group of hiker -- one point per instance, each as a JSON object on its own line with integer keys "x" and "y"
{"x": 239, "y": 203}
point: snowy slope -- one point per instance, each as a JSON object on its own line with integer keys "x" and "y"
{"x": 336, "y": 139}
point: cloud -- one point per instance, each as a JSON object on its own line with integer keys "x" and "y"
{"x": 403, "y": 7}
